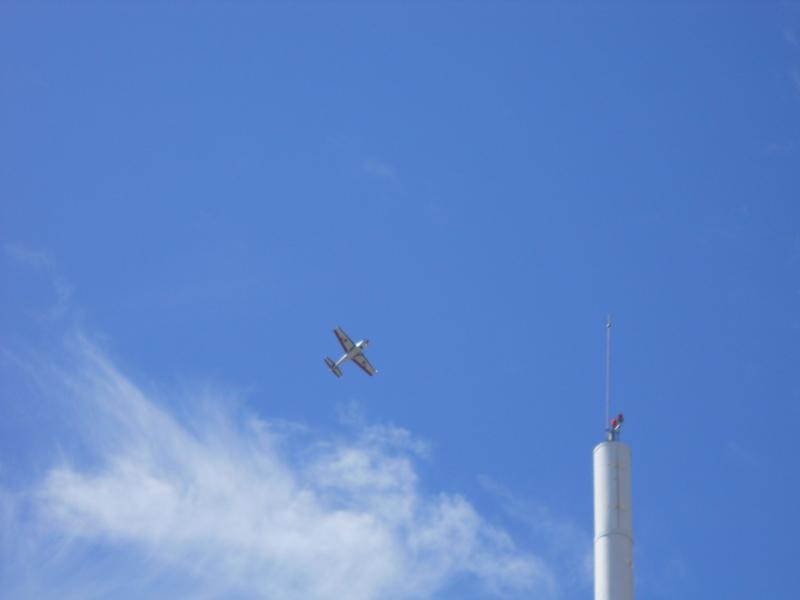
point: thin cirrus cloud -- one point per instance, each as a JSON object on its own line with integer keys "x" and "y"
{"x": 39, "y": 260}
{"x": 378, "y": 169}
{"x": 220, "y": 505}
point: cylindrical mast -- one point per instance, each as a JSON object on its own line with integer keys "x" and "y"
{"x": 613, "y": 527}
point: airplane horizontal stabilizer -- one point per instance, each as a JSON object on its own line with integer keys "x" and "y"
{"x": 332, "y": 366}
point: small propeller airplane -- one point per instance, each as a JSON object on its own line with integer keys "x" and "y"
{"x": 352, "y": 352}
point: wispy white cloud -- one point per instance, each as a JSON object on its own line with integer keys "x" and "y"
{"x": 220, "y": 505}
{"x": 40, "y": 260}
{"x": 28, "y": 256}
{"x": 378, "y": 169}
{"x": 740, "y": 455}
{"x": 568, "y": 545}
{"x": 795, "y": 76}
{"x": 790, "y": 36}
{"x": 779, "y": 147}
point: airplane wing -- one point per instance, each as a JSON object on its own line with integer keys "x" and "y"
{"x": 362, "y": 362}
{"x": 344, "y": 339}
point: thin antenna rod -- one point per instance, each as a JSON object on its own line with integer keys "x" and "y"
{"x": 608, "y": 370}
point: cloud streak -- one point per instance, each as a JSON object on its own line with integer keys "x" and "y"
{"x": 224, "y": 505}
{"x": 564, "y": 541}
{"x": 39, "y": 260}
{"x": 379, "y": 169}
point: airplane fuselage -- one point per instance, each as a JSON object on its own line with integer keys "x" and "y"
{"x": 354, "y": 351}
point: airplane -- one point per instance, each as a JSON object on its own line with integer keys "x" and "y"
{"x": 351, "y": 351}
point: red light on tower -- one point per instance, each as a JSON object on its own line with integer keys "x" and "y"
{"x": 616, "y": 423}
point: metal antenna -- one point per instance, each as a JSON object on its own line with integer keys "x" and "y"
{"x": 608, "y": 370}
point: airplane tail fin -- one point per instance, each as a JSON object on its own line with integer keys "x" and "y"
{"x": 332, "y": 366}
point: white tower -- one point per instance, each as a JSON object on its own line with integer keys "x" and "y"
{"x": 613, "y": 527}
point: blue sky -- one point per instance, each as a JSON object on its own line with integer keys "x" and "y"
{"x": 193, "y": 195}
